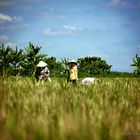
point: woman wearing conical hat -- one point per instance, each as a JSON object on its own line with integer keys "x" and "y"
{"x": 44, "y": 71}
{"x": 73, "y": 72}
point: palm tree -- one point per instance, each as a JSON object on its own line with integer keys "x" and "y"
{"x": 16, "y": 58}
{"x": 65, "y": 68}
{"x": 136, "y": 63}
{"x": 64, "y": 63}
{"x": 32, "y": 58}
{"x": 4, "y": 58}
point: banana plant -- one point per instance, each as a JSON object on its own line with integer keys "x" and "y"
{"x": 32, "y": 58}
{"x": 16, "y": 58}
{"x": 4, "y": 58}
{"x": 136, "y": 64}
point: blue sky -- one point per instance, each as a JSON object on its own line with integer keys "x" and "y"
{"x": 109, "y": 29}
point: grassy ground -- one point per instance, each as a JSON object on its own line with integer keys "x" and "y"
{"x": 107, "y": 110}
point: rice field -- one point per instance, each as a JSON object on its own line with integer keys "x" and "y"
{"x": 107, "y": 110}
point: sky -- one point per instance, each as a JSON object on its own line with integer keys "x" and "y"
{"x": 72, "y": 29}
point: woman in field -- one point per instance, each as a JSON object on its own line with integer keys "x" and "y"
{"x": 44, "y": 71}
{"x": 73, "y": 72}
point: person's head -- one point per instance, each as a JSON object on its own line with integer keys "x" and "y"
{"x": 72, "y": 63}
{"x": 42, "y": 68}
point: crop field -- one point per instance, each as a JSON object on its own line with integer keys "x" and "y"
{"x": 107, "y": 110}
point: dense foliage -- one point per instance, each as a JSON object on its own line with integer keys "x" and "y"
{"x": 23, "y": 62}
{"x": 93, "y": 66}
{"x": 136, "y": 63}
{"x": 4, "y": 59}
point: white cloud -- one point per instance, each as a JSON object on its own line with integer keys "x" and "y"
{"x": 5, "y": 3}
{"x": 10, "y": 44}
{"x": 7, "y": 18}
{"x": 9, "y": 22}
{"x": 34, "y": 0}
{"x": 69, "y": 28}
{"x": 64, "y": 30}
{"x": 52, "y": 14}
{"x": 122, "y": 4}
{"x": 3, "y": 38}
{"x": 52, "y": 32}
{"x": 114, "y": 2}
{"x": 4, "y": 17}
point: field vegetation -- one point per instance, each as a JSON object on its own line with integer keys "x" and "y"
{"x": 107, "y": 110}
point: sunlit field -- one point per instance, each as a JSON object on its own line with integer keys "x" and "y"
{"x": 107, "y": 110}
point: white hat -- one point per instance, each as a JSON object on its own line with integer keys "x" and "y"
{"x": 72, "y": 61}
{"x": 41, "y": 64}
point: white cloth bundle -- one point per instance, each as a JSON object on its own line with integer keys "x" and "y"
{"x": 88, "y": 80}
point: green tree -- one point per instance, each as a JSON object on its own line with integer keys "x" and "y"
{"x": 89, "y": 66}
{"x": 32, "y": 58}
{"x": 4, "y": 58}
{"x": 136, "y": 63}
{"x": 16, "y": 57}
{"x": 54, "y": 66}
{"x": 64, "y": 63}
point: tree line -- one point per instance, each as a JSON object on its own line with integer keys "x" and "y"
{"x": 23, "y": 62}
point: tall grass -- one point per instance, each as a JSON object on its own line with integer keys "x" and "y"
{"x": 109, "y": 109}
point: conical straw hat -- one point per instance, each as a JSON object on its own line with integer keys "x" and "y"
{"x": 41, "y": 64}
{"x": 72, "y": 61}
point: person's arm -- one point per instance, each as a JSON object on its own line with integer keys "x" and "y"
{"x": 75, "y": 73}
{"x": 47, "y": 70}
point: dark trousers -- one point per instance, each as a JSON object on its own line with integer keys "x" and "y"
{"x": 73, "y": 81}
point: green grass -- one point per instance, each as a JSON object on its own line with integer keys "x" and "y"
{"x": 109, "y": 109}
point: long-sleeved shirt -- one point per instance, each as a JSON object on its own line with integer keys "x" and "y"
{"x": 45, "y": 71}
{"x": 73, "y": 73}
